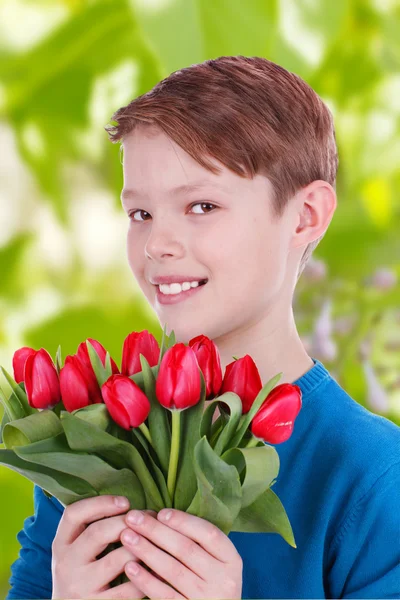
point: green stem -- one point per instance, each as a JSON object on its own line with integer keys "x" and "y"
{"x": 174, "y": 456}
{"x": 252, "y": 442}
{"x": 145, "y": 430}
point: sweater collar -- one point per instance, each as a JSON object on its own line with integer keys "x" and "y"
{"x": 312, "y": 378}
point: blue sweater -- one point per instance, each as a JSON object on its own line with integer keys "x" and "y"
{"x": 339, "y": 482}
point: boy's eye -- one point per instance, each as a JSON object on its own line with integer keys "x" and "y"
{"x": 139, "y": 210}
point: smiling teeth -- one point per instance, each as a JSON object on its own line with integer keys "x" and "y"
{"x": 177, "y": 288}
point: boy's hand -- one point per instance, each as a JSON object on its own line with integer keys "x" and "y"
{"x": 192, "y": 557}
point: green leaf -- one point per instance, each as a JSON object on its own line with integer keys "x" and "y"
{"x": 267, "y": 515}
{"x": 151, "y": 461}
{"x": 247, "y": 418}
{"x": 54, "y": 453}
{"x": 66, "y": 488}
{"x": 58, "y": 361}
{"x": 85, "y": 436}
{"x": 186, "y": 480}
{"x": 159, "y": 426}
{"x": 229, "y": 427}
{"x": 42, "y": 425}
{"x": 96, "y": 414}
{"x": 99, "y": 370}
{"x": 5, "y": 419}
{"x": 17, "y": 404}
{"x": 219, "y": 491}
{"x": 259, "y": 466}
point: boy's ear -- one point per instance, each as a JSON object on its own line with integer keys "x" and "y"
{"x": 315, "y": 204}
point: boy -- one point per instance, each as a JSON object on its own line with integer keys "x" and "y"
{"x": 252, "y": 148}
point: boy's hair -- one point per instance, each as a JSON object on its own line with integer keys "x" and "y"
{"x": 249, "y": 113}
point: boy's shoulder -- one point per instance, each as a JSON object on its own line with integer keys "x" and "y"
{"x": 351, "y": 437}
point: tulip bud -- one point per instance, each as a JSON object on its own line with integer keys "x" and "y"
{"x": 125, "y": 401}
{"x": 242, "y": 378}
{"x": 87, "y": 369}
{"x": 19, "y": 360}
{"x": 83, "y": 355}
{"x": 75, "y": 390}
{"x": 42, "y": 385}
{"x": 135, "y": 344}
{"x": 274, "y": 421}
{"x": 178, "y": 384}
{"x": 209, "y": 361}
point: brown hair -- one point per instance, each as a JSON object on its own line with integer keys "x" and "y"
{"x": 249, "y": 113}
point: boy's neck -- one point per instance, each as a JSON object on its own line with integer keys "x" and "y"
{"x": 274, "y": 347}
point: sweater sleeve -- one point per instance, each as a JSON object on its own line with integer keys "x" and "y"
{"x": 31, "y": 572}
{"x": 365, "y": 553}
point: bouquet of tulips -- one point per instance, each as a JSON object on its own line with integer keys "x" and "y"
{"x": 145, "y": 432}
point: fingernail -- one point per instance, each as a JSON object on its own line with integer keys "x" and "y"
{"x": 121, "y": 501}
{"x": 165, "y": 516}
{"x": 130, "y": 538}
{"x": 135, "y": 517}
{"x": 132, "y": 568}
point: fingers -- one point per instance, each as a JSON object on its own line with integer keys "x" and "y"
{"x": 187, "y": 551}
{"x": 108, "y": 567}
{"x": 78, "y": 515}
{"x": 98, "y": 535}
{"x": 126, "y": 590}
{"x": 152, "y": 586}
{"x": 209, "y": 536}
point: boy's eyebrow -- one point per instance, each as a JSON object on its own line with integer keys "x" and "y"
{"x": 127, "y": 194}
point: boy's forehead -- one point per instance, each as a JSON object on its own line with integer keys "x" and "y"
{"x": 164, "y": 167}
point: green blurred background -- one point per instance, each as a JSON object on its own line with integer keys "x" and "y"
{"x": 67, "y": 65}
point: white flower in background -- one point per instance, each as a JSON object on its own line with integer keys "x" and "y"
{"x": 383, "y": 279}
{"x": 377, "y": 398}
{"x": 344, "y": 325}
{"x": 323, "y": 346}
{"x": 315, "y": 270}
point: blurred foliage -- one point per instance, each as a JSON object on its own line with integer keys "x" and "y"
{"x": 66, "y": 66}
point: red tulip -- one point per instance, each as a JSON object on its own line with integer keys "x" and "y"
{"x": 274, "y": 422}
{"x": 83, "y": 354}
{"x": 125, "y": 401}
{"x": 178, "y": 384}
{"x": 209, "y": 361}
{"x": 76, "y": 390}
{"x": 19, "y": 360}
{"x": 135, "y": 344}
{"x": 42, "y": 385}
{"x": 242, "y": 378}
{"x": 87, "y": 370}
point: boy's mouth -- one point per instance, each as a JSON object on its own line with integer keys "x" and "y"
{"x": 178, "y": 296}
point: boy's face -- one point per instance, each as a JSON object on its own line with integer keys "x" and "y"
{"x": 237, "y": 245}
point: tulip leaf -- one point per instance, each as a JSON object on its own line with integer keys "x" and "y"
{"x": 15, "y": 405}
{"x": 85, "y": 436}
{"x": 96, "y": 414}
{"x": 139, "y": 380}
{"x": 98, "y": 367}
{"x": 19, "y": 391}
{"x": 186, "y": 480}
{"x": 165, "y": 344}
{"x": 259, "y": 467}
{"x": 221, "y": 436}
{"x": 58, "y": 361}
{"x": 33, "y": 428}
{"x": 266, "y": 514}
{"x": 55, "y": 453}
{"x": 5, "y": 419}
{"x": 154, "y": 468}
{"x": 219, "y": 491}
{"x": 258, "y": 401}
{"x": 159, "y": 426}
{"x": 108, "y": 367}
{"x": 66, "y": 488}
